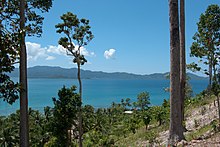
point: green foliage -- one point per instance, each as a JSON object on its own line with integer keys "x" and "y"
{"x": 132, "y": 123}
{"x": 77, "y": 30}
{"x": 39, "y": 128}
{"x": 89, "y": 118}
{"x": 143, "y": 101}
{"x": 147, "y": 118}
{"x": 166, "y": 103}
{"x": 215, "y": 88}
{"x": 9, "y": 130}
{"x": 65, "y": 114}
{"x": 101, "y": 127}
{"x": 214, "y": 125}
{"x": 161, "y": 113}
{"x": 206, "y": 40}
{"x": 51, "y": 142}
{"x": 151, "y": 136}
{"x": 10, "y": 35}
{"x": 126, "y": 103}
{"x": 198, "y": 133}
{"x": 8, "y": 56}
{"x": 107, "y": 126}
{"x": 8, "y": 89}
{"x": 10, "y": 15}
{"x": 193, "y": 67}
{"x": 49, "y": 128}
{"x": 199, "y": 100}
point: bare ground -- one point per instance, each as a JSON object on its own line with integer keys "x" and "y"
{"x": 195, "y": 119}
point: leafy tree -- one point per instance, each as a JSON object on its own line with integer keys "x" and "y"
{"x": 20, "y": 18}
{"x": 114, "y": 113}
{"x": 133, "y": 123}
{"x": 143, "y": 101}
{"x": 8, "y": 56}
{"x": 166, "y": 103}
{"x": 161, "y": 114}
{"x": 126, "y": 103}
{"x": 39, "y": 132}
{"x": 9, "y": 130}
{"x": 89, "y": 118}
{"x": 8, "y": 89}
{"x": 101, "y": 129}
{"x": 175, "y": 131}
{"x": 147, "y": 118}
{"x": 65, "y": 115}
{"x": 78, "y": 31}
{"x": 47, "y": 113}
{"x": 206, "y": 41}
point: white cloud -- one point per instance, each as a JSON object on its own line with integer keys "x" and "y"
{"x": 35, "y": 51}
{"x": 50, "y": 58}
{"x": 56, "y": 50}
{"x": 85, "y": 52}
{"x": 108, "y": 54}
{"x": 62, "y": 51}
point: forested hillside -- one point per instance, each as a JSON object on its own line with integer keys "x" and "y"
{"x": 58, "y": 72}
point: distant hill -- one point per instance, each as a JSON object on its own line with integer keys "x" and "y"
{"x": 58, "y": 72}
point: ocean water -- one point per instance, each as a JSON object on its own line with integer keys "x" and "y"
{"x": 96, "y": 92}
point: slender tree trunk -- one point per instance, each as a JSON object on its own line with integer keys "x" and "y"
{"x": 182, "y": 57}
{"x": 68, "y": 142}
{"x": 175, "y": 131}
{"x": 214, "y": 63}
{"x": 210, "y": 73}
{"x": 24, "y": 127}
{"x": 214, "y": 72}
{"x": 70, "y": 136}
{"x": 80, "y": 108}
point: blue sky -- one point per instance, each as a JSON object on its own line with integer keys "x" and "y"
{"x": 133, "y": 34}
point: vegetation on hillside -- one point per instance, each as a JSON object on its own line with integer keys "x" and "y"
{"x": 122, "y": 124}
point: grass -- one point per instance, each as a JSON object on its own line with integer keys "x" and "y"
{"x": 198, "y": 133}
{"x": 132, "y": 139}
{"x": 142, "y": 135}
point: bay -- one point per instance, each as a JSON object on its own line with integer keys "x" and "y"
{"x": 96, "y": 92}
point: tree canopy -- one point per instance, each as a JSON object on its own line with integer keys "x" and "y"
{"x": 206, "y": 45}
{"x": 10, "y": 38}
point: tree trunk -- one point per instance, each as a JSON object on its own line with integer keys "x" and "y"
{"x": 182, "y": 57}
{"x": 175, "y": 131}
{"x": 80, "y": 108}
{"x": 210, "y": 73}
{"x": 214, "y": 72}
{"x": 218, "y": 111}
{"x": 24, "y": 127}
{"x": 68, "y": 137}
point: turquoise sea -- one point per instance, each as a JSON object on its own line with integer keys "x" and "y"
{"x": 96, "y": 92}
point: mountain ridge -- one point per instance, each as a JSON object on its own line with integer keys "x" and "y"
{"x": 59, "y": 72}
